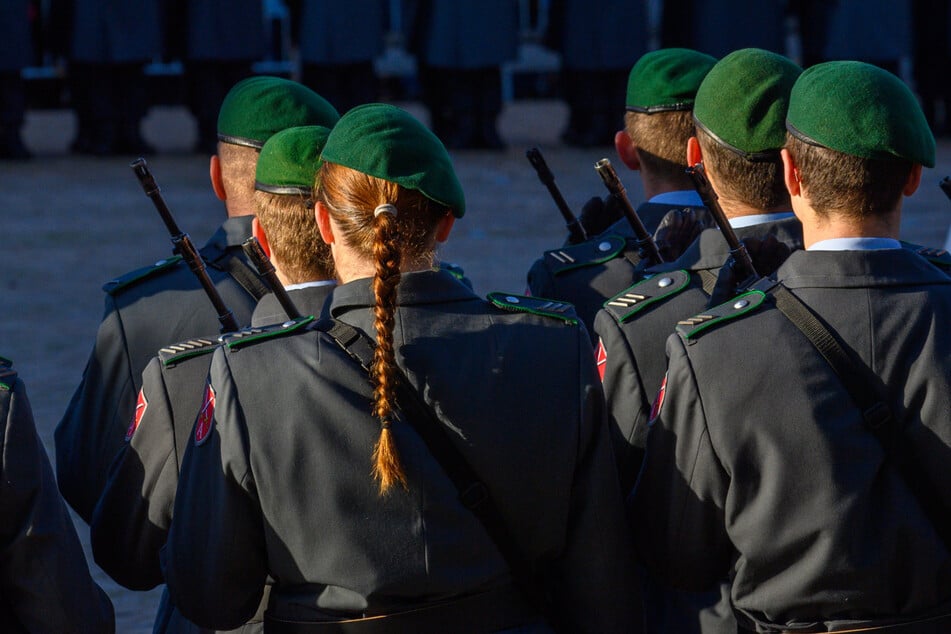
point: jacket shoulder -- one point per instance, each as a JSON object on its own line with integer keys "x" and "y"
{"x": 178, "y": 352}
{"x": 132, "y": 278}
{"x": 692, "y": 328}
{"x": 245, "y": 337}
{"x": 653, "y": 290}
{"x": 589, "y": 253}
{"x": 551, "y": 308}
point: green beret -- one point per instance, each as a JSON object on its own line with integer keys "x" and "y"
{"x": 257, "y": 107}
{"x": 862, "y": 110}
{"x": 290, "y": 159}
{"x": 666, "y": 79}
{"x": 742, "y": 102}
{"x": 389, "y": 143}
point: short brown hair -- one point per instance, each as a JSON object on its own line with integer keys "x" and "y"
{"x": 238, "y": 164}
{"x": 843, "y": 184}
{"x": 758, "y": 184}
{"x": 291, "y": 228}
{"x": 661, "y": 139}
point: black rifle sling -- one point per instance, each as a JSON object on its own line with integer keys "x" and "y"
{"x": 864, "y": 388}
{"x": 473, "y": 493}
{"x": 241, "y": 272}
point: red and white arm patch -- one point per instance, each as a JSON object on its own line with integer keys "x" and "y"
{"x": 141, "y": 404}
{"x": 206, "y": 416}
{"x": 658, "y": 401}
{"x": 602, "y": 359}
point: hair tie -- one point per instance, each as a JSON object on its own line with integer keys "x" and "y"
{"x": 385, "y": 209}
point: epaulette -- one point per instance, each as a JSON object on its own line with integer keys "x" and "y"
{"x": 690, "y": 329}
{"x": 113, "y": 286}
{"x": 453, "y": 269}
{"x": 7, "y": 374}
{"x": 534, "y": 305}
{"x": 177, "y": 352}
{"x": 653, "y": 290}
{"x": 241, "y": 338}
{"x": 939, "y": 257}
{"x": 587, "y": 253}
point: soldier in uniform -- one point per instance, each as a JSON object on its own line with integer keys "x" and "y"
{"x": 739, "y": 133}
{"x": 45, "y": 585}
{"x": 16, "y": 52}
{"x": 131, "y": 520}
{"x": 158, "y": 305}
{"x": 796, "y": 496}
{"x": 660, "y": 95}
{"x": 322, "y": 485}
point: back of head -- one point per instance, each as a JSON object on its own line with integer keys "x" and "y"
{"x": 740, "y": 114}
{"x": 387, "y": 181}
{"x": 284, "y": 201}
{"x": 661, "y": 88}
{"x": 855, "y": 133}
{"x": 253, "y": 110}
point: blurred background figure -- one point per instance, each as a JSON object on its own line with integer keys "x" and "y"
{"x": 598, "y": 43}
{"x": 718, "y": 28}
{"x": 337, "y": 43}
{"x": 106, "y": 45}
{"x": 217, "y": 41}
{"x": 16, "y": 53}
{"x": 460, "y": 46}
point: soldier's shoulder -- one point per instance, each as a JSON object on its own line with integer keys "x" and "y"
{"x": 651, "y": 291}
{"x": 177, "y": 353}
{"x": 140, "y": 275}
{"x": 733, "y": 311}
{"x": 938, "y": 257}
{"x": 256, "y": 335}
{"x": 8, "y": 375}
{"x": 550, "y": 308}
{"x": 590, "y": 253}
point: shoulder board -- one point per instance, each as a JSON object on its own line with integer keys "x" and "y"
{"x": 738, "y": 306}
{"x": 453, "y": 269}
{"x": 113, "y": 286}
{"x": 535, "y": 305}
{"x": 242, "y": 338}
{"x": 653, "y": 290}
{"x": 7, "y": 374}
{"x": 939, "y": 257}
{"x": 177, "y": 352}
{"x": 587, "y": 253}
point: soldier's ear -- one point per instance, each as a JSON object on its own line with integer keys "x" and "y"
{"x": 258, "y": 232}
{"x": 914, "y": 180}
{"x": 694, "y": 154}
{"x": 444, "y": 226}
{"x": 217, "y": 182}
{"x": 626, "y": 150}
{"x": 323, "y": 222}
{"x": 791, "y": 174}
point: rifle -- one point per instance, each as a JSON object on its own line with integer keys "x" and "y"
{"x": 741, "y": 257}
{"x": 183, "y": 246}
{"x": 646, "y": 246}
{"x": 252, "y": 248}
{"x": 575, "y": 228}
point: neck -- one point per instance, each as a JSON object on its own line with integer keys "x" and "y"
{"x": 656, "y": 184}
{"x": 816, "y": 228}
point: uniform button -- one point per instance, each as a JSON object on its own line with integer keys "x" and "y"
{"x": 513, "y": 300}
{"x": 287, "y": 324}
{"x": 604, "y": 246}
{"x": 741, "y": 304}
{"x": 665, "y": 282}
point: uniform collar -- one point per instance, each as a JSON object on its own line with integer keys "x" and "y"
{"x": 421, "y": 287}
{"x": 855, "y": 244}
{"x": 308, "y": 300}
{"x": 858, "y": 269}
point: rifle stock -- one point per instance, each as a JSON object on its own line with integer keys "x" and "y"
{"x": 183, "y": 246}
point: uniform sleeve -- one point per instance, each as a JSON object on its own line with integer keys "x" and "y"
{"x": 44, "y": 578}
{"x": 216, "y": 560}
{"x": 625, "y": 398}
{"x": 596, "y": 588}
{"x": 677, "y": 506}
{"x": 92, "y": 429}
{"x": 130, "y": 523}
{"x": 539, "y": 278}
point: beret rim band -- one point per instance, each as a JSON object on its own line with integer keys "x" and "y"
{"x": 753, "y": 157}
{"x": 674, "y": 107}
{"x": 286, "y": 190}
{"x": 239, "y": 140}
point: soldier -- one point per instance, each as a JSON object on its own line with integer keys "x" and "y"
{"x": 44, "y": 580}
{"x": 760, "y": 463}
{"x": 155, "y": 306}
{"x": 131, "y": 520}
{"x": 323, "y": 486}
{"x": 739, "y": 113}
{"x": 660, "y": 95}
{"x": 16, "y": 53}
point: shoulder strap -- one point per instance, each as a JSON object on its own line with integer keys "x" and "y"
{"x": 473, "y": 493}
{"x": 864, "y": 387}
{"x": 241, "y": 272}
{"x": 8, "y": 375}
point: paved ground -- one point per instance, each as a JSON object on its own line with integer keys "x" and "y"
{"x": 70, "y": 224}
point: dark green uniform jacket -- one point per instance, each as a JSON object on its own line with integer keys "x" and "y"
{"x": 45, "y": 584}
{"x": 144, "y": 310}
{"x": 759, "y": 466}
{"x": 284, "y": 462}
{"x": 131, "y": 520}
